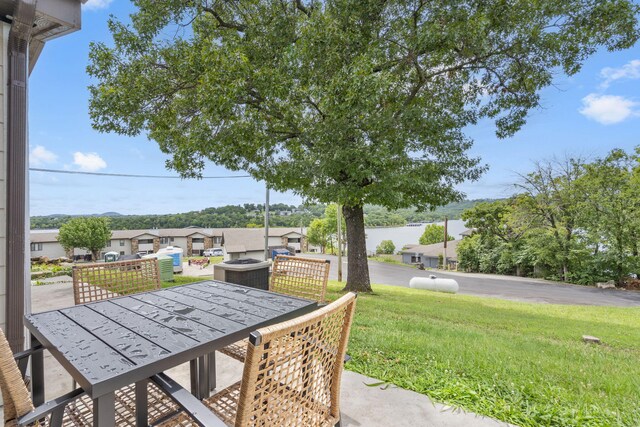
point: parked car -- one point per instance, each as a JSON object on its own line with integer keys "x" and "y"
{"x": 213, "y": 252}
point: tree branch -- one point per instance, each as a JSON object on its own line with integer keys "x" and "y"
{"x": 316, "y": 107}
{"x": 221, "y": 22}
{"x": 302, "y": 8}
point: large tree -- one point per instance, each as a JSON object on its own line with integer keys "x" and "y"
{"x": 90, "y": 233}
{"x": 554, "y": 200}
{"x": 347, "y": 101}
{"x": 610, "y": 210}
{"x": 317, "y": 233}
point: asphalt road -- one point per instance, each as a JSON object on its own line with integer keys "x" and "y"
{"x": 503, "y": 287}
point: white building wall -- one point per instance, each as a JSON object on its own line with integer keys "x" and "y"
{"x": 180, "y": 242}
{"x": 114, "y": 246}
{"x": 50, "y": 250}
{"x": 168, "y": 243}
{"x": 53, "y": 250}
{"x": 275, "y": 241}
{"x": 4, "y": 38}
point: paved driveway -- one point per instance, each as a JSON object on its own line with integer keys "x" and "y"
{"x": 504, "y": 287}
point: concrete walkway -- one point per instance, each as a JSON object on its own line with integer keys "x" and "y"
{"x": 361, "y": 405}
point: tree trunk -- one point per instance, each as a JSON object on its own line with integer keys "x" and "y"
{"x": 358, "y": 271}
{"x": 95, "y": 254}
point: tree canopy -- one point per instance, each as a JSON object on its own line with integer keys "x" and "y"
{"x": 347, "y": 101}
{"x": 574, "y": 220}
{"x": 433, "y": 233}
{"x": 386, "y": 247}
{"x": 90, "y": 233}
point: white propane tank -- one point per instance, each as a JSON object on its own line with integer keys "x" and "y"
{"x": 433, "y": 283}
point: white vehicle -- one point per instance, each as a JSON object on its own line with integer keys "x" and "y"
{"x": 213, "y": 252}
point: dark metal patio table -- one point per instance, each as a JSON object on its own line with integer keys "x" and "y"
{"x": 109, "y": 344}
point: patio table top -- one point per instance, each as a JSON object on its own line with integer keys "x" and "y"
{"x": 112, "y": 343}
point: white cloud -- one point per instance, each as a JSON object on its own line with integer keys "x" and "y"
{"x": 630, "y": 70}
{"x": 41, "y": 156}
{"x": 607, "y": 109}
{"x": 89, "y": 162}
{"x": 97, "y": 4}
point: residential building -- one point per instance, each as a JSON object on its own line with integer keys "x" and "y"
{"x": 192, "y": 239}
{"x": 249, "y": 242}
{"x": 245, "y": 242}
{"x": 429, "y": 255}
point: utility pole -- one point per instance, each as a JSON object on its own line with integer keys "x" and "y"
{"x": 444, "y": 258}
{"x": 339, "y": 228}
{"x": 266, "y": 226}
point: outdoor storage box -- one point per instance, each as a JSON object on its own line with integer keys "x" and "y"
{"x": 243, "y": 271}
{"x": 165, "y": 265}
{"x": 279, "y": 251}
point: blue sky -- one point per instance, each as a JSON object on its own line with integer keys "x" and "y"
{"x": 587, "y": 114}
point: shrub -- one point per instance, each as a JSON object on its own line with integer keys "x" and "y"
{"x": 386, "y": 247}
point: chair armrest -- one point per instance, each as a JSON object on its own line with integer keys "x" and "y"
{"x": 55, "y": 405}
{"x": 188, "y": 402}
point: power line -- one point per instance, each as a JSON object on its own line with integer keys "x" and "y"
{"x": 127, "y": 175}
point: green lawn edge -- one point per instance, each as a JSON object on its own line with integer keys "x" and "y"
{"x": 521, "y": 363}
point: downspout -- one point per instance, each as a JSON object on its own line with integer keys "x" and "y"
{"x": 17, "y": 177}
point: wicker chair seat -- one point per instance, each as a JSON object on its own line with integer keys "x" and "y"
{"x": 225, "y": 405}
{"x": 79, "y": 413}
{"x": 159, "y": 407}
{"x": 237, "y": 350}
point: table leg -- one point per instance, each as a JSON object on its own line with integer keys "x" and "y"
{"x": 142, "y": 404}
{"x": 212, "y": 371}
{"x": 193, "y": 367}
{"x": 37, "y": 374}
{"x": 104, "y": 410}
{"x": 203, "y": 377}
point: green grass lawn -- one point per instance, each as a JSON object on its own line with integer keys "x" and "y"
{"x": 517, "y": 362}
{"x": 182, "y": 280}
{"x": 388, "y": 260}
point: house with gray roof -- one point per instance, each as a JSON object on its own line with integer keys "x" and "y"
{"x": 429, "y": 255}
{"x": 250, "y": 242}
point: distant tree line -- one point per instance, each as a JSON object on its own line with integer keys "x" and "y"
{"x": 252, "y": 215}
{"x": 573, "y": 220}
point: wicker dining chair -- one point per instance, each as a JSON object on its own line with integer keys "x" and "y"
{"x": 75, "y": 409}
{"x": 299, "y": 277}
{"x": 95, "y": 282}
{"x": 291, "y": 376}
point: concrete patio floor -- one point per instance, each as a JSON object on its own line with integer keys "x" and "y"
{"x": 361, "y": 405}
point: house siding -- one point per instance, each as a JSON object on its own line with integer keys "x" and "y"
{"x": 50, "y": 250}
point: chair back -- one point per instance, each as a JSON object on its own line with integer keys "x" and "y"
{"x": 95, "y": 282}
{"x": 292, "y": 370}
{"x": 16, "y": 397}
{"x": 300, "y": 277}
